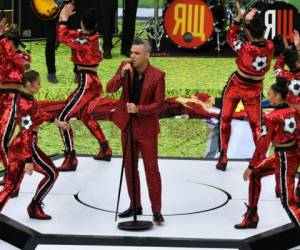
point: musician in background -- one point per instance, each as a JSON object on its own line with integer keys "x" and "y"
{"x": 128, "y": 27}
{"x": 50, "y": 34}
{"x": 107, "y": 24}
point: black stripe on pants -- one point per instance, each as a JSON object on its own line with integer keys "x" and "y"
{"x": 44, "y": 190}
{"x": 284, "y": 189}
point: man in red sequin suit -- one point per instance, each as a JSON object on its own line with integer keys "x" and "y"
{"x": 148, "y": 90}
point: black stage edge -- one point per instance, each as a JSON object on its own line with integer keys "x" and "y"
{"x": 16, "y": 234}
{"x": 281, "y": 238}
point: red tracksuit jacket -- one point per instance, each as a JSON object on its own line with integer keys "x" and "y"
{"x": 253, "y": 58}
{"x": 279, "y": 127}
{"x": 293, "y": 79}
{"x": 85, "y": 47}
{"x": 29, "y": 118}
{"x": 12, "y": 64}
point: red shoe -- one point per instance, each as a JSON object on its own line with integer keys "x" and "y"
{"x": 222, "y": 162}
{"x": 35, "y": 211}
{"x": 105, "y": 153}
{"x": 277, "y": 193}
{"x": 250, "y": 219}
{"x": 15, "y": 194}
{"x": 70, "y": 163}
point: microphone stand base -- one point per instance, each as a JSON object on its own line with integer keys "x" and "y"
{"x": 135, "y": 225}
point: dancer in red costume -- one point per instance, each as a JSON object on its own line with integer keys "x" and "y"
{"x": 254, "y": 58}
{"x": 86, "y": 56}
{"x": 12, "y": 67}
{"x": 196, "y": 107}
{"x": 102, "y": 108}
{"x": 291, "y": 58}
{"x": 279, "y": 128}
{"x": 23, "y": 150}
{"x": 148, "y": 89}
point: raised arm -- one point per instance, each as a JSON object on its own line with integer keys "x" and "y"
{"x": 72, "y": 38}
{"x": 10, "y": 53}
{"x": 279, "y": 70}
{"x": 68, "y": 37}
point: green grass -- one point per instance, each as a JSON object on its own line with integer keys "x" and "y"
{"x": 296, "y": 3}
{"x": 144, "y": 3}
{"x": 183, "y": 77}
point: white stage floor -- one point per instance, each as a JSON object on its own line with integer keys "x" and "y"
{"x": 192, "y": 192}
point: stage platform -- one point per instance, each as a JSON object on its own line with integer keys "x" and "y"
{"x": 200, "y": 205}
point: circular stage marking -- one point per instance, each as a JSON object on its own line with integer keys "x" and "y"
{"x": 228, "y": 198}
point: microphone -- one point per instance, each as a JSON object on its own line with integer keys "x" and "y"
{"x": 127, "y": 71}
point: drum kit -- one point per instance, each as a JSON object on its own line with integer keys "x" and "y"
{"x": 191, "y": 23}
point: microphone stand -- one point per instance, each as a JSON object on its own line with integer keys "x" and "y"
{"x": 134, "y": 225}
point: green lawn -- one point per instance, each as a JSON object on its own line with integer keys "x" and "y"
{"x": 192, "y": 134}
{"x": 296, "y": 3}
{"x": 144, "y": 3}
{"x": 183, "y": 77}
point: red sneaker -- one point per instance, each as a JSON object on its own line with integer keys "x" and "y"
{"x": 222, "y": 162}
{"x": 105, "y": 153}
{"x": 15, "y": 194}
{"x": 250, "y": 220}
{"x": 70, "y": 163}
{"x": 35, "y": 211}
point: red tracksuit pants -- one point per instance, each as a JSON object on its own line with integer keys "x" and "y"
{"x": 284, "y": 164}
{"x": 88, "y": 89}
{"x": 148, "y": 149}
{"x": 235, "y": 91}
{"x": 8, "y": 112}
{"x": 42, "y": 165}
{"x": 265, "y": 168}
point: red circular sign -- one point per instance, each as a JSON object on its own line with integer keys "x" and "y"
{"x": 188, "y": 23}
